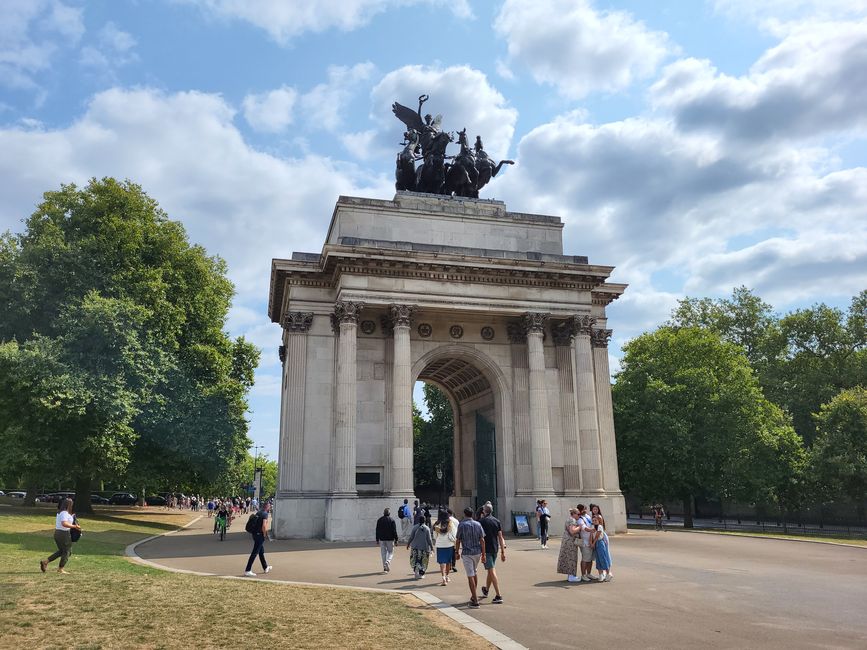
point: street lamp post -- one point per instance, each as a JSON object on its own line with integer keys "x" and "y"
{"x": 440, "y": 479}
{"x": 255, "y": 467}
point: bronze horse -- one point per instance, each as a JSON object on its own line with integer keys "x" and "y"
{"x": 462, "y": 174}
{"x": 485, "y": 166}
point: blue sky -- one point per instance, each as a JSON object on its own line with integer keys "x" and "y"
{"x": 696, "y": 146}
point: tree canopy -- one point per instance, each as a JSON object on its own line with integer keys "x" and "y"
{"x": 691, "y": 420}
{"x": 840, "y": 451}
{"x": 112, "y": 325}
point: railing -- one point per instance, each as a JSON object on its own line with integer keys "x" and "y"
{"x": 758, "y": 526}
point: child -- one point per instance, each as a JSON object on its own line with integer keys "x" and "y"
{"x": 603, "y": 557}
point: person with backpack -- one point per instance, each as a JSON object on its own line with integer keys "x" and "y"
{"x": 257, "y": 526}
{"x": 405, "y": 516}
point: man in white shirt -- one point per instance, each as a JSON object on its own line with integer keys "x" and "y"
{"x": 585, "y": 530}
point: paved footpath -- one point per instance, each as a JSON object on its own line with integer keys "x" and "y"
{"x": 671, "y": 590}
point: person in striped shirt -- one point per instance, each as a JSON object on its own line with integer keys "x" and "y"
{"x": 470, "y": 541}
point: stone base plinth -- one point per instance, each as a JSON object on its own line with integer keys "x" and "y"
{"x": 353, "y": 518}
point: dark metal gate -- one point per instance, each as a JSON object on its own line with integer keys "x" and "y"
{"x": 486, "y": 461}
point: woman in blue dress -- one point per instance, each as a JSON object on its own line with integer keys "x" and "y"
{"x": 600, "y": 546}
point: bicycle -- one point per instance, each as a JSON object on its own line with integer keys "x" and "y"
{"x": 221, "y": 526}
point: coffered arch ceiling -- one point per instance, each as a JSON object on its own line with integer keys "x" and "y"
{"x": 461, "y": 378}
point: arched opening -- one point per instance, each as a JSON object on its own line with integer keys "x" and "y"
{"x": 471, "y": 387}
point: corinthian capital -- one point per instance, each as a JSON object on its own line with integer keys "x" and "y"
{"x": 401, "y": 314}
{"x": 297, "y": 321}
{"x": 583, "y": 324}
{"x": 563, "y": 332}
{"x": 600, "y": 338}
{"x": 347, "y": 312}
{"x": 534, "y": 322}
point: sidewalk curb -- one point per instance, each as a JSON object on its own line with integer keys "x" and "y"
{"x": 475, "y": 626}
{"x": 771, "y": 536}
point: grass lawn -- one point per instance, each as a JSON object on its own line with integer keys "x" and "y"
{"x": 812, "y": 538}
{"x": 108, "y": 601}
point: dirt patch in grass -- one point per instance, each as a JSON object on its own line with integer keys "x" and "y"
{"x": 109, "y": 602}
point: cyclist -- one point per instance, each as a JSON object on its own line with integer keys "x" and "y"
{"x": 223, "y": 516}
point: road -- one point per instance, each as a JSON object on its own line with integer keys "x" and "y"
{"x": 671, "y": 590}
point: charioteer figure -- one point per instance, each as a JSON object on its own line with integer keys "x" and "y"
{"x": 424, "y": 139}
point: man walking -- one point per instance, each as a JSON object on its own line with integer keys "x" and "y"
{"x": 405, "y": 516}
{"x": 386, "y": 536}
{"x": 259, "y": 533}
{"x": 470, "y": 538}
{"x": 493, "y": 542}
{"x": 585, "y": 530}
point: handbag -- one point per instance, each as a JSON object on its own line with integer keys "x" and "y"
{"x": 74, "y": 533}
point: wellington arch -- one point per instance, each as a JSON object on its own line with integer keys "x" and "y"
{"x": 470, "y": 297}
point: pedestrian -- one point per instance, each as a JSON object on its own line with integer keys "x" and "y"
{"x": 493, "y": 542}
{"x": 64, "y": 524}
{"x": 427, "y": 517}
{"x": 585, "y": 525}
{"x": 444, "y": 533}
{"x": 601, "y": 550}
{"x": 567, "y": 561}
{"x": 470, "y": 540}
{"x": 419, "y": 545}
{"x": 596, "y": 511}
{"x": 211, "y": 505}
{"x": 658, "y": 516}
{"x": 544, "y": 517}
{"x": 260, "y": 532}
{"x": 454, "y": 522}
{"x": 386, "y": 536}
{"x": 417, "y": 513}
{"x": 405, "y": 516}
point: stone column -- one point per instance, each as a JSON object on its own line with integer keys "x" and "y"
{"x": 588, "y": 427}
{"x": 563, "y": 335}
{"x": 294, "y": 356}
{"x": 343, "y": 457}
{"x": 401, "y": 450}
{"x": 607, "y": 442}
{"x": 521, "y": 409}
{"x": 540, "y": 438}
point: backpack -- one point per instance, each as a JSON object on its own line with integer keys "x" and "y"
{"x": 401, "y": 514}
{"x": 254, "y": 524}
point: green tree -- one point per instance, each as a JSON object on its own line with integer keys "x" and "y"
{"x": 840, "y": 451}
{"x": 823, "y": 351}
{"x": 434, "y": 441}
{"x": 744, "y": 319}
{"x": 691, "y": 420}
{"x": 109, "y": 250}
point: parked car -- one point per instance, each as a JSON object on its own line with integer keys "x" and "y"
{"x": 122, "y": 499}
{"x": 56, "y": 497}
{"x": 99, "y": 500}
{"x": 16, "y": 494}
{"x": 155, "y": 500}
{"x": 2, "y": 493}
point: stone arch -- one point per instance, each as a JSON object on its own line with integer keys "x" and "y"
{"x": 500, "y": 386}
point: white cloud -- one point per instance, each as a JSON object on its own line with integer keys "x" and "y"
{"x": 771, "y": 13}
{"x": 324, "y": 105}
{"x": 461, "y": 94}
{"x": 578, "y": 49}
{"x": 183, "y": 148}
{"x": 652, "y": 199}
{"x": 113, "y": 49}
{"x": 285, "y": 20}
{"x": 811, "y": 83}
{"x": 31, "y": 34}
{"x": 272, "y": 111}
